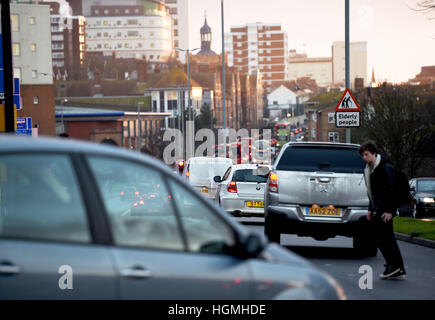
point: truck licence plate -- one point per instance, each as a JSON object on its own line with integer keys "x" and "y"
{"x": 335, "y": 212}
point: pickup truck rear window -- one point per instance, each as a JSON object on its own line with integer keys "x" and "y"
{"x": 329, "y": 159}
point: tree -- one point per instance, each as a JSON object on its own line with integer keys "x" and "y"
{"x": 400, "y": 121}
{"x": 426, "y": 6}
{"x": 205, "y": 118}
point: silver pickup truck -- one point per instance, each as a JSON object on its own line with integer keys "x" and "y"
{"x": 317, "y": 189}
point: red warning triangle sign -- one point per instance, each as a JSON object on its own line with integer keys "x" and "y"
{"x": 347, "y": 102}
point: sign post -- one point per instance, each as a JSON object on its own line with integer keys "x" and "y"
{"x": 7, "y": 110}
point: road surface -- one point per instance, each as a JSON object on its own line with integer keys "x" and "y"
{"x": 337, "y": 257}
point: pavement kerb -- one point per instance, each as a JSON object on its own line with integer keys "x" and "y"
{"x": 415, "y": 240}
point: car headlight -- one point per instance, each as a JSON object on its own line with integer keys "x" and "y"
{"x": 427, "y": 200}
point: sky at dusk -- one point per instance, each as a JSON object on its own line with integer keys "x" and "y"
{"x": 399, "y": 40}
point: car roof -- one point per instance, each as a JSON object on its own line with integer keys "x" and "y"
{"x": 321, "y": 143}
{"x": 13, "y": 144}
{"x": 209, "y": 160}
{"x": 423, "y": 178}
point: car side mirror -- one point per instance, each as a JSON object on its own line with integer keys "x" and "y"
{"x": 412, "y": 189}
{"x": 253, "y": 245}
{"x": 217, "y": 179}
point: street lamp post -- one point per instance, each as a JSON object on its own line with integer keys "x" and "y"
{"x": 139, "y": 131}
{"x": 347, "y": 61}
{"x": 188, "y": 51}
{"x": 224, "y": 120}
{"x": 61, "y": 115}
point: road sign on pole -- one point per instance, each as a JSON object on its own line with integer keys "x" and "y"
{"x": 347, "y": 102}
{"x": 347, "y": 111}
{"x": 347, "y": 119}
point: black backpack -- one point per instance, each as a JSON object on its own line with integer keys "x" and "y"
{"x": 402, "y": 192}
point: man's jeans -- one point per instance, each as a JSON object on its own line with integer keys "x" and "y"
{"x": 386, "y": 241}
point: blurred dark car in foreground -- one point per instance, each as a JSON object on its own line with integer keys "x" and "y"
{"x": 423, "y": 196}
{"x": 65, "y": 233}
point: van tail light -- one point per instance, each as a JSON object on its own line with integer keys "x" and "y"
{"x": 180, "y": 166}
{"x": 187, "y": 174}
{"x": 273, "y": 182}
{"x": 232, "y": 187}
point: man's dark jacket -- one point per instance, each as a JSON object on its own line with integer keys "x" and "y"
{"x": 382, "y": 188}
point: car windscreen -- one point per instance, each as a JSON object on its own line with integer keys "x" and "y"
{"x": 247, "y": 175}
{"x": 316, "y": 158}
{"x": 426, "y": 186}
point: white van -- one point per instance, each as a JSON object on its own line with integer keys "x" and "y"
{"x": 199, "y": 172}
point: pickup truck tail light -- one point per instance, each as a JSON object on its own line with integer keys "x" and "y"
{"x": 273, "y": 182}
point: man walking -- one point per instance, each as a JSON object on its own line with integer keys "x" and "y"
{"x": 379, "y": 178}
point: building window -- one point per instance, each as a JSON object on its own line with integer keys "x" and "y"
{"x": 127, "y": 11}
{"x": 57, "y": 55}
{"x": 105, "y": 23}
{"x": 17, "y": 73}
{"x": 106, "y": 34}
{"x": 152, "y": 45}
{"x": 36, "y": 100}
{"x": 118, "y": 22}
{"x": 132, "y": 33}
{"x": 58, "y": 37}
{"x": 32, "y": 20}
{"x": 15, "y": 23}
{"x": 106, "y": 12}
{"x": 33, "y": 47}
{"x": 175, "y": 22}
{"x": 98, "y": 34}
{"x": 16, "y": 49}
{"x": 98, "y": 46}
{"x": 126, "y": 45}
{"x": 136, "y": 10}
{"x": 132, "y": 22}
{"x": 313, "y": 133}
{"x": 333, "y": 136}
{"x": 331, "y": 117}
{"x": 173, "y": 10}
{"x": 119, "y": 45}
{"x": 106, "y": 46}
{"x": 96, "y": 11}
{"x": 117, "y": 11}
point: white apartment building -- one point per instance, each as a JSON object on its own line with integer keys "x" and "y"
{"x": 180, "y": 12}
{"x": 319, "y": 69}
{"x": 258, "y": 46}
{"x": 31, "y": 43}
{"x": 131, "y": 31}
{"x": 358, "y": 62}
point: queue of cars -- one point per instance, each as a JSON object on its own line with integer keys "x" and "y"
{"x": 86, "y": 221}
{"x": 314, "y": 189}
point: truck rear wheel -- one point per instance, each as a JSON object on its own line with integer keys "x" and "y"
{"x": 272, "y": 233}
{"x": 364, "y": 246}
